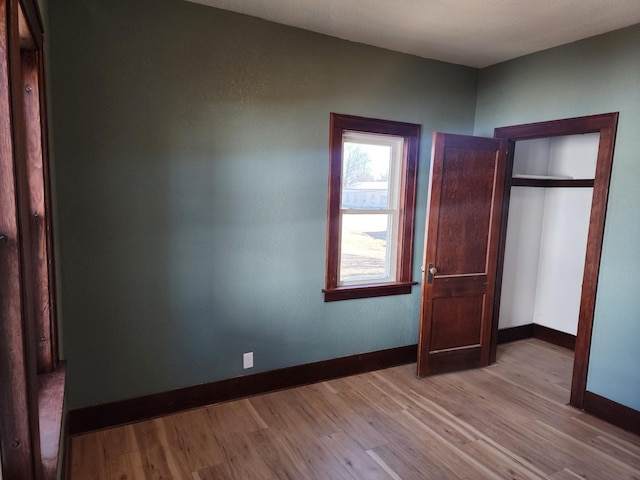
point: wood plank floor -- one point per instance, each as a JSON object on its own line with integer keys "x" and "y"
{"x": 509, "y": 420}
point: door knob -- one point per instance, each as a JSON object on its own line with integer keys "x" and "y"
{"x": 432, "y": 270}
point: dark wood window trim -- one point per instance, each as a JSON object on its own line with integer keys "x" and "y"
{"x": 411, "y": 134}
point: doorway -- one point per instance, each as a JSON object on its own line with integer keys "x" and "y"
{"x": 470, "y": 190}
{"x": 561, "y": 187}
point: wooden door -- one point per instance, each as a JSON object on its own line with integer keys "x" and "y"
{"x": 461, "y": 250}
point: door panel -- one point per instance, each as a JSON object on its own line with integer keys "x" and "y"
{"x": 462, "y": 234}
{"x": 456, "y": 322}
{"x": 465, "y": 211}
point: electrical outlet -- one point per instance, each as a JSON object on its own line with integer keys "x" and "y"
{"x": 247, "y": 360}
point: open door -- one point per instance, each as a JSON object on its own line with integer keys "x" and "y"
{"x": 461, "y": 250}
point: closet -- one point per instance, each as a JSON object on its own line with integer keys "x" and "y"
{"x": 546, "y": 236}
{"x": 513, "y": 241}
{"x": 554, "y": 208}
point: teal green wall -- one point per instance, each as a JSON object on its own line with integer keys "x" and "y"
{"x": 597, "y": 75}
{"x": 43, "y": 6}
{"x": 191, "y": 173}
{"x": 191, "y": 178}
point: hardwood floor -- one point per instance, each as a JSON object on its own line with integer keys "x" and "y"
{"x": 509, "y": 420}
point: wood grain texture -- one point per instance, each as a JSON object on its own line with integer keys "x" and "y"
{"x": 592, "y": 261}
{"x": 606, "y": 125}
{"x": 491, "y": 423}
{"x": 37, "y": 211}
{"x": 612, "y": 412}
{"x": 512, "y": 334}
{"x": 124, "y": 411}
{"x": 464, "y": 211}
{"x": 562, "y": 339}
{"x": 31, "y": 406}
{"x": 50, "y": 409}
{"x": 461, "y": 241}
{"x": 19, "y": 435}
{"x": 456, "y": 322}
{"x": 30, "y": 25}
{"x": 504, "y": 220}
{"x": 48, "y": 208}
{"x": 529, "y": 182}
{"x": 339, "y": 124}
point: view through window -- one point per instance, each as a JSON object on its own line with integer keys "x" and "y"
{"x": 372, "y": 183}
{"x": 369, "y": 207}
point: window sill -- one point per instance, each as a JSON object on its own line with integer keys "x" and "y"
{"x": 50, "y": 407}
{"x": 367, "y": 291}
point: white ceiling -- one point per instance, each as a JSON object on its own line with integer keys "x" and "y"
{"x": 476, "y": 33}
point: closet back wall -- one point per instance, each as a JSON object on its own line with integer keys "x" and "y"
{"x": 547, "y": 234}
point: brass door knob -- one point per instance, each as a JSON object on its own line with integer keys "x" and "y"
{"x": 433, "y": 270}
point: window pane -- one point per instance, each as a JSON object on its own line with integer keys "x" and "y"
{"x": 364, "y": 252}
{"x": 365, "y": 175}
{"x": 372, "y": 183}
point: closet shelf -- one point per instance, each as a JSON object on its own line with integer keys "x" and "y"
{"x": 549, "y": 181}
{"x": 542, "y": 177}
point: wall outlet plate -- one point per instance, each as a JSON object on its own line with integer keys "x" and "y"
{"x": 247, "y": 360}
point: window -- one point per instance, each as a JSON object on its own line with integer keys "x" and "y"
{"x": 372, "y": 186}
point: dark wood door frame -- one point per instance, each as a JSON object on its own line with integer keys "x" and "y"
{"x": 29, "y": 429}
{"x": 606, "y": 125}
